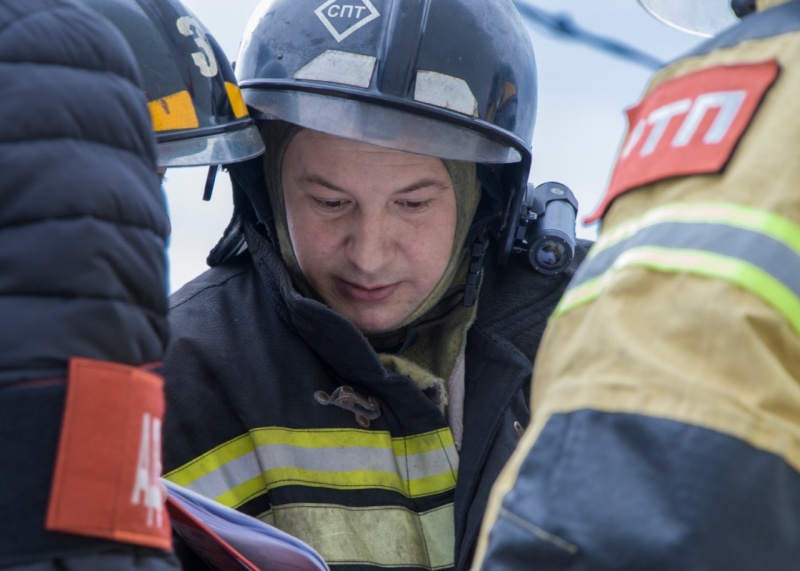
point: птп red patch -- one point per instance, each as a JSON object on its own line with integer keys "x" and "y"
{"x": 688, "y": 126}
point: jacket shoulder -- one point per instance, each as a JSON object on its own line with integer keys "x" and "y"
{"x": 210, "y": 285}
{"x": 516, "y": 300}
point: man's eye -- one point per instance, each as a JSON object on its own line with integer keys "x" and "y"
{"x": 329, "y": 204}
{"x": 415, "y": 204}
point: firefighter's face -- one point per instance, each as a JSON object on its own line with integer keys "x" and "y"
{"x": 372, "y": 229}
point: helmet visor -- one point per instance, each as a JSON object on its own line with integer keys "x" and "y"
{"x": 402, "y": 128}
{"x": 702, "y": 18}
{"x": 213, "y": 149}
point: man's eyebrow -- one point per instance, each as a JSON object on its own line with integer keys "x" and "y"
{"x": 315, "y": 179}
{"x": 424, "y": 183}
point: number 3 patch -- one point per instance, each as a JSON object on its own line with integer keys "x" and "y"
{"x": 688, "y": 126}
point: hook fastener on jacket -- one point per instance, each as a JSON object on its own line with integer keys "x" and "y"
{"x": 364, "y": 409}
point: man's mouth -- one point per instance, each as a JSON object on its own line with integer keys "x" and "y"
{"x": 366, "y": 294}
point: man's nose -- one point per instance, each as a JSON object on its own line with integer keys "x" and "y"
{"x": 369, "y": 243}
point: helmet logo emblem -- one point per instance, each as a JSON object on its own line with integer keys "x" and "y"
{"x": 343, "y": 17}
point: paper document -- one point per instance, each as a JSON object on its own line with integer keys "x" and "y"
{"x": 229, "y": 539}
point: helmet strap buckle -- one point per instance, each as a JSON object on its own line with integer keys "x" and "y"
{"x": 477, "y": 253}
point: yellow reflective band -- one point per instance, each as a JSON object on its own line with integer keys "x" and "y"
{"x": 354, "y": 480}
{"x": 334, "y": 437}
{"x": 763, "y": 221}
{"x": 581, "y": 295}
{"x": 173, "y": 112}
{"x": 743, "y": 274}
{"x": 242, "y": 493}
{"x": 237, "y": 101}
{"x": 211, "y": 460}
{"x": 267, "y": 458}
{"x": 381, "y": 536}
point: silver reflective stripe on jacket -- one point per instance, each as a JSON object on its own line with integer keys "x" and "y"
{"x": 757, "y": 250}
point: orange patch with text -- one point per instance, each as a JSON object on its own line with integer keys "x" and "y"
{"x": 107, "y": 476}
{"x": 688, "y": 126}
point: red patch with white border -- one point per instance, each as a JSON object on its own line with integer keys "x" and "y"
{"x": 688, "y": 126}
{"x": 107, "y": 477}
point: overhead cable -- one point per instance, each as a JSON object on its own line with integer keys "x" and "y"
{"x": 563, "y": 25}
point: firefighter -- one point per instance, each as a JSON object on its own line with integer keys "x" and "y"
{"x": 355, "y": 367}
{"x": 667, "y": 393}
{"x": 82, "y": 249}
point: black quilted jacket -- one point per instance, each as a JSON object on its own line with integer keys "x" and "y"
{"x": 83, "y": 227}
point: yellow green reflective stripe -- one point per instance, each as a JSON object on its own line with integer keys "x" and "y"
{"x": 763, "y": 221}
{"x": 333, "y": 438}
{"x": 582, "y": 294}
{"x": 266, "y": 458}
{"x": 384, "y": 536}
{"x": 240, "y": 494}
{"x": 211, "y": 460}
{"x": 755, "y": 249}
{"x": 743, "y": 274}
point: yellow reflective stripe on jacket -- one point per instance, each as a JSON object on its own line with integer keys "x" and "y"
{"x": 737, "y": 215}
{"x": 266, "y": 458}
{"x": 384, "y": 536}
{"x": 756, "y": 250}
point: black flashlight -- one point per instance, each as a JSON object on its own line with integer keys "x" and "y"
{"x": 547, "y": 227}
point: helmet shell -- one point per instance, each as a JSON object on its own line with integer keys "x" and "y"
{"x": 198, "y": 112}
{"x": 699, "y": 17}
{"x": 455, "y": 79}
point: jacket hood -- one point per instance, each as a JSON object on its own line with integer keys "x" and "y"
{"x": 83, "y": 222}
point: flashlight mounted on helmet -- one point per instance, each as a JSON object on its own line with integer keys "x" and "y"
{"x": 546, "y": 229}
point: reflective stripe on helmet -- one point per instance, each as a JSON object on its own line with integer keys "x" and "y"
{"x": 173, "y": 112}
{"x": 237, "y": 101}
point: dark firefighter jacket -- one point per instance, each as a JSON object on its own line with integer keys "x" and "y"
{"x": 83, "y": 226}
{"x": 667, "y": 396}
{"x": 249, "y": 367}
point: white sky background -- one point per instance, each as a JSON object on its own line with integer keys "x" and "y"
{"x": 580, "y": 120}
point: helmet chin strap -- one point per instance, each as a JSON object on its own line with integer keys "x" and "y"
{"x": 743, "y": 7}
{"x": 248, "y": 176}
{"x": 477, "y": 253}
{"x": 210, "y": 179}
